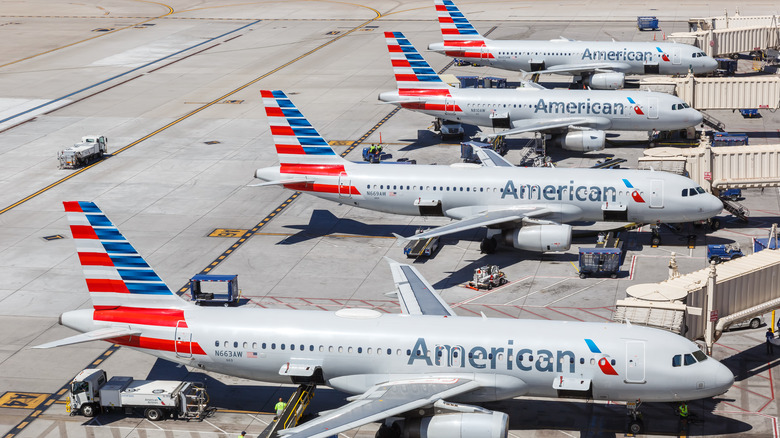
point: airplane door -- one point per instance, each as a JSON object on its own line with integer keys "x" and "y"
{"x": 449, "y": 106}
{"x": 657, "y": 193}
{"x": 183, "y": 340}
{"x": 676, "y": 56}
{"x": 635, "y": 362}
{"x": 344, "y": 186}
{"x": 652, "y": 108}
{"x": 486, "y": 56}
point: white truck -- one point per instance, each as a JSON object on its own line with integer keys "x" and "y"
{"x": 91, "y": 392}
{"x": 91, "y": 149}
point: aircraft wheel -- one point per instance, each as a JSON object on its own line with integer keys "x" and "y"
{"x": 715, "y": 224}
{"x": 89, "y": 410}
{"x": 656, "y": 241}
{"x": 488, "y": 246}
{"x": 636, "y": 426}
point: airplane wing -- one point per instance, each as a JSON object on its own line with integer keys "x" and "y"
{"x": 380, "y": 402}
{"x": 95, "y": 335}
{"x": 415, "y": 294}
{"x": 490, "y": 217}
{"x": 491, "y": 158}
{"x": 577, "y": 69}
{"x": 541, "y": 125}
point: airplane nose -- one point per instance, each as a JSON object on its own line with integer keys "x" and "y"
{"x": 722, "y": 378}
{"x": 696, "y": 117}
{"x": 710, "y": 65}
{"x": 714, "y": 206}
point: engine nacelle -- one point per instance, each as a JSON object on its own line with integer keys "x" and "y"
{"x": 605, "y": 81}
{"x": 468, "y": 425}
{"x": 582, "y": 141}
{"x": 540, "y": 238}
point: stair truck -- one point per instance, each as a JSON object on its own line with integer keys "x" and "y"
{"x": 91, "y": 392}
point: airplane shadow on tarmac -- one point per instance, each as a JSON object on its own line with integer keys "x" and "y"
{"x": 588, "y": 419}
{"x": 324, "y": 223}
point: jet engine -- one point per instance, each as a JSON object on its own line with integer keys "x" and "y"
{"x": 605, "y": 81}
{"x": 540, "y": 238}
{"x": 460, "y": 425}
{"x": 581, "y": 141}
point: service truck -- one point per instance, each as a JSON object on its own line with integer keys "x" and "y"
{"x": 91, "y": 392}
{"x": 91, "y": 149}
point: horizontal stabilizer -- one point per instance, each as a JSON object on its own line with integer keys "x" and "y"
{"x": 282, "y": 182}
{"x": 95, "y": 335}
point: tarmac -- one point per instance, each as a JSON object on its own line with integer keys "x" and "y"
{"x": 175, "y": 88}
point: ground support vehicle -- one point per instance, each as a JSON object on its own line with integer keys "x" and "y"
{"x": 488, "y": 277}
{"x": 599, "y": 261}
{"x": 91, "y": 392}
{"x": 647, "y": 22}
{"x": 229, "y": 298}
{"x": 721, "y": 253}
{"x": 91, "y": 149}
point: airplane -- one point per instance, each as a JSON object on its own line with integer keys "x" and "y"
{"x": 526, "y": 208}
{"x": 576, "y": 119}
{"x": 597, "y": 64}
{"x": 396, "y": 365}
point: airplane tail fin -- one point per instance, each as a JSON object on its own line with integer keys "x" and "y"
{"x": 414, "y": 75}
{"x": 301, "y": 149}
{"x": 455, "y": 27}
{"x": 117, "y": 276}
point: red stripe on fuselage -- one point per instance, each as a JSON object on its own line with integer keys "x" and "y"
{"x": 95, "y": 259}
{"x": 311, "y": 169}
{"x": 104, "y": 285}
{"x": 322, "y": 188}
{"x": 465, "y": 43}
{"x": 83, "y": 232}
{"x": 158, "y": 344}
{"x": 424, "y": 92}
{"x": 139, "y": 315}
{"x": 430, "y": 106}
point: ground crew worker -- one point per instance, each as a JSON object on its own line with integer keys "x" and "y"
{"x": 242, "y": 434}
{"x": 372, "y": 148}
{"x": 279, "y": 407}
{"x": 769, "y": 337}
{"x": 379, "y": 148}
{"x": 682, "y": 411}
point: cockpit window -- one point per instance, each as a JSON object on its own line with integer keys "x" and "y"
{"x": 677, "y": 360}
{"x": 699, "y": 189}
{"x": 689, "y": 360}
{"x": 699, "y": 355}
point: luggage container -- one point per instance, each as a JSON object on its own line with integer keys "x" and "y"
{"x": 597, "y": 261}
{"x": 647, "y": 22}
{"x": 200, "y": 295}
{"x": 468, "y": 81}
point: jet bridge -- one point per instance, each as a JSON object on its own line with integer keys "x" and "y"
{"x": 723, "y": 36}
{"x": 720, "y": 168}
{"x": 761, "y": 91}
{"x": 702, "y": 304}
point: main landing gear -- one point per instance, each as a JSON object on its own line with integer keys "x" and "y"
{"x": 488, "y": 245}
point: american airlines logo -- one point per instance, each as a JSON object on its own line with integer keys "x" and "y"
{"x": 586, "y": 107}
{"x": 560, "y": 192}
{"x": 617, "y": 55}
{"x": 506, "y": 357}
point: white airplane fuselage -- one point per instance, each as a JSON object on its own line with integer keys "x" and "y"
{"x": 357, "y": 349}
{"x": 625, "y": 57}
{"x": 617, "y": 110}
{"x": 465, "y": 190}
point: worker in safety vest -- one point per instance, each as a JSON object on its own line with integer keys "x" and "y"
{"x": 279, "y": 407}
{"x": 682, "y": 411}
{"x": 242, "y": 434}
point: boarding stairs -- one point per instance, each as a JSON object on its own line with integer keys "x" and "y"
{"x": 736, "y": 209}
{"x": 712, "y": 122}
{"x": 293, "y": 412}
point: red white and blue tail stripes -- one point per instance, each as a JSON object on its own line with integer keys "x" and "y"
{"x": 455, "y": 27}
{"x": 116, "y": 274}
{"x": 412, "y": 72}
